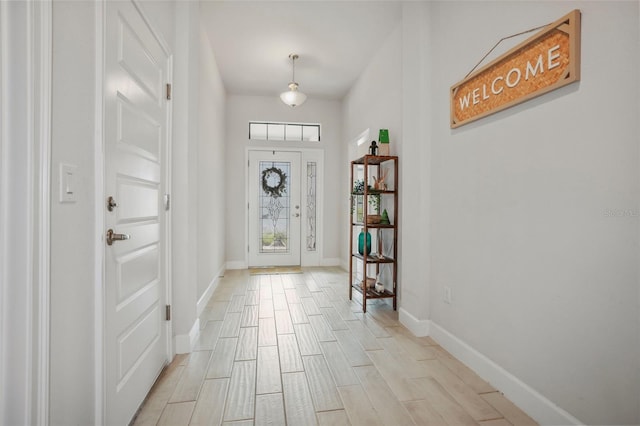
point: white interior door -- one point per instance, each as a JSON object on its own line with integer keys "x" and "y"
{"x": 136, "y": 114}
{"x": 274, "y": 208}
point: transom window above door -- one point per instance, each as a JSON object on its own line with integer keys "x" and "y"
{"x": 270, "y": 131}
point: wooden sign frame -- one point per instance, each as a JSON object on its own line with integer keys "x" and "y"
{"x": 548, "y": 60}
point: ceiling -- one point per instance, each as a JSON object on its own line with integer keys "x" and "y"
{"x": 335, "y": 40}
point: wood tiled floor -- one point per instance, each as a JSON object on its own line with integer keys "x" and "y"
{"x": 292, "y": 349}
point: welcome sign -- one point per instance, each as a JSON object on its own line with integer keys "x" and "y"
{"x": 546, "y": 61}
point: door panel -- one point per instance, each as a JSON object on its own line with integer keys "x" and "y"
{"x": 274, "y": 208}
{"x": 136, "y": 69}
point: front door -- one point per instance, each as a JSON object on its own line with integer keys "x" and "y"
{"x": 135, "y": 145}
{"x": 274, "y": 208}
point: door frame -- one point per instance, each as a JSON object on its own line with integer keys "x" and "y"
{"x": 100, "y": 381}
{"x": 25, "y": 176}
{"x": 307, "y": 258}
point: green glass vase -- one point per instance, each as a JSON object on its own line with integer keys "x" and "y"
{"x": 361, "y": 242}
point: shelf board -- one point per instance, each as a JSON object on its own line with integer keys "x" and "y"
{"x": 374, "y": 159}
{"x": 375, "y": 225}
{"x": 376, "y": 192}
{"x": 372, "y": 259}
{"x": 372, "y": 294}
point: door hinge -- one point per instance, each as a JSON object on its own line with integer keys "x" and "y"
{"x": 248, "y": 249}
{"x": 167, "y": 313}
{"x": 168, "y": 91}
{"x": 167, "y": 202}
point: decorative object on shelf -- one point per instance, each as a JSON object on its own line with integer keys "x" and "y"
{"x": 385, "y": 218}
{"x": 373, "y": 219}
{"x": 373, "y": 148}
{"x": 358, "y": 186}
{"x": 293, "y": 97}
{"x": 380, "y": 246}
{"x": 378, "y": 286}
{"x": 383, "y": 142}
{"x": 361, "y": 242}
{"x": 380, "y": 183}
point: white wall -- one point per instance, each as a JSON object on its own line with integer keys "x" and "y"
{"x": 242, "y": 109}
{"x": 72, "y": 225}
{"x": 544, "y": 277}
{"x": 211, "y": 169}
{"x": 374, "y": 102}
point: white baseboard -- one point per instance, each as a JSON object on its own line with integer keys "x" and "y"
{"x": 418, "y": 327}
{"x": 526, "y": 398}
{"x": 204, "y": 299}
{"x": 184, "y": 343}
{"x": 237, "y": 264}
{"x": 331, "y": 261}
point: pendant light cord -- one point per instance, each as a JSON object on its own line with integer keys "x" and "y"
{"x": 500, "y": 41}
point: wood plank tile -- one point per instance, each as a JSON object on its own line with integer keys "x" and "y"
{"x": 358, "y": 407}
{"x": 269, "y": 410}
{"x": 364, "y": 335}
{"x": 237, "y": 303}
{"x": 253, "y": 298}
{"x": 276, "y": 284}
{"x": 310, "y": 307}
{"x": 321, "y": 299}
{"x": 241, "y": 397}
{"x": 292, "y": 295}
{"x": 231, "y": 325}
{"x": 268, "y": 375}
{"x": 338, "y": 363}
{"x": 287, "y": 282}
{"x": 333, "y": 319}
{"x": 333, "y": 418}
{"x": 423, "y": 413}
{"x": 415, "y": 350}
{"x": 210, "y": 404}
{"x": 497, "y": 422}
{"x": 302, "y": 291}
{"x": 247, "y": 344}
{"x": 467, "y": 375}
{"x": 280, "y": 302}
{"x": 266, "y": 308}
{"x": 376, "y": 329}
{"x": 160, "y": 394}
{"x": 267, "y": 332}
{"x": 396, "y": 373}
{"x": 298, "y": 315}
{"x": 192, "y": 377}
{"x": 222, "y": 358}
{"x": 284, "y": 325}
{"x": 312, "y": 284}
{"x": 381, "y": 395}
{"x": 208, "y": 336}
{"x": 323, "y": 388}
{"x": 177, "y": 414}
{"x": 298, "y": 404}
{"x": 239, "y": 423}
{"x": 306, "y": 340}
{"x": 290, "y": 359}
{"x": 473, "y": 404}
{"x": 321, "y": 328}
{"x": 351, "y": 348}
{"x": 249, "y": 316}
{"x": 443, "y": 402}
{"x": 214, "y": 311}
{"x": 508, "y": 409}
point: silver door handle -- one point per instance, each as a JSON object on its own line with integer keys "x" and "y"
{"x": 112, "y": 236}
{"x": 296, "y": 215}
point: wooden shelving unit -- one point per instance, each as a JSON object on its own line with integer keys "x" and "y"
{"x": 367, "y": 168}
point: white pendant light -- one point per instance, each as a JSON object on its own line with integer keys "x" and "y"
{"x": 293, "y": 97}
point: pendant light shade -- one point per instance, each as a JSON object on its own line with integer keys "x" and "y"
{"x": 293, "y": 97}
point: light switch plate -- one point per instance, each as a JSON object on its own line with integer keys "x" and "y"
{"x": 68, "y": 185}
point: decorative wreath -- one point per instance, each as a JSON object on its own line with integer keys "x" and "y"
{"x": 277, "y": 190}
